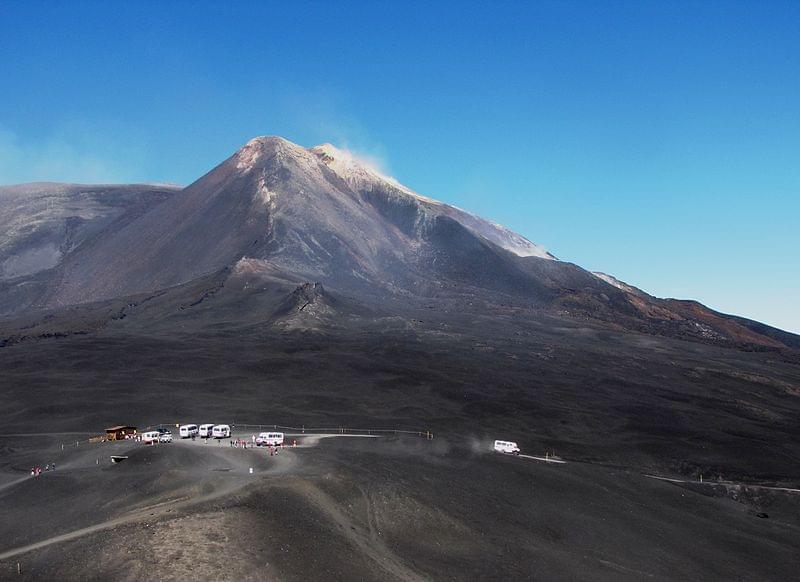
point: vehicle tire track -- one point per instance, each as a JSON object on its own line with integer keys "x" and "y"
{"x": 368, "y": 542}
{"x": 153, "y": 511}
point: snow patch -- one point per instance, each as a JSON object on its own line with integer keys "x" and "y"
{"x": 249, "y": 155}
{"x": 615, "y": 282}
{"x": 360, "y": 172}
{"x": 608, "y": 279}
{"x": 363, "y": 174}
{"x": 518, "y": 244}
{"x": 264, "y": 193}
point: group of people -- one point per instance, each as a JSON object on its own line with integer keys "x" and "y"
{"x": 36, "y": 471}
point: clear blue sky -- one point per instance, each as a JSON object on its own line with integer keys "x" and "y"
{"x": 659, "y": 142}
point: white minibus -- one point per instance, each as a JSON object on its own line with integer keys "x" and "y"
{"x": 507, "y": 447}
{"x": 266, "y": 439}
{"x": 188, "y": 430}
{"x": 221, "y": 431}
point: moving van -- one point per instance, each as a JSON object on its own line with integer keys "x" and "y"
{"x": 507, "y": 447}
{"x": 266, "y": 439}
{"x": 150, "y": 437}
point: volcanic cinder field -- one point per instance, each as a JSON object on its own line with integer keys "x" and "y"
{"x": 297, "y": 287}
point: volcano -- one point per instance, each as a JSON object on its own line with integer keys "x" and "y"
{"x": 298, "y": 288}
{"x": 335, "y": 282}
{"x": 315, "y": 215}
{"x": 338, "y": 283}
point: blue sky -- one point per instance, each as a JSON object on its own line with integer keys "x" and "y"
{"x": 656, "y": 141}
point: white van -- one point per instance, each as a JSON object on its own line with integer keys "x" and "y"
{"x": 150, "y": 437}
{"x": 205, "y": 430}
{"x": 266, "y": 439}
{"x": 507, "y": 447}
{"x": 188, "y": 430}
{"x": 221, "y": 431}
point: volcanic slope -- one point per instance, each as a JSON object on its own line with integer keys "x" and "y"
{"x": 43, "y": 224}
{"x": 320, "y": 215}
{"x": 258, "y": 348}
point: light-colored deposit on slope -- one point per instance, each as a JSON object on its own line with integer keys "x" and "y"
{"x": 359, "y": 174}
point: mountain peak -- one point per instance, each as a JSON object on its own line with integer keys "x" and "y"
{"x": 253, "y": 151}
{"x": 281, "y": 212}
{"x": 268, "y": 140}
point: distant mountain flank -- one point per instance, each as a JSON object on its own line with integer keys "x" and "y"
{"x": 315, "y": 216}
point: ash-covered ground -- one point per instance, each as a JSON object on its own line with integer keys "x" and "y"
{"x": 616, "y": 405}
{"x": 383, "y": 508}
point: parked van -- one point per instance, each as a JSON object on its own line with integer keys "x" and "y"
{"x": 205, "y": 430}
{"x": 150, "y": 437}
{"x": 188, "y": 430}
{"x": 266, "y": 439}
{"x": 221, "y": 431}
{"x": 507, "y": 447}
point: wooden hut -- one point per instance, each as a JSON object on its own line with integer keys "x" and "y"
{"x": 120, "y": 433}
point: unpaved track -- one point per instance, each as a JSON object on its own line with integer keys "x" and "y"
{"x": 15, "y": 482}
{"x": 283, "y": 463}
{"x": 138, "y": 515}
{"x": 44, "y": 434}
{"x": 149, "y": 512}
{"x": 313, "y": 439}
{"x": 727, "y": 483}
{"x": 369, "y": 541}
{"x": 545, "y": 459}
